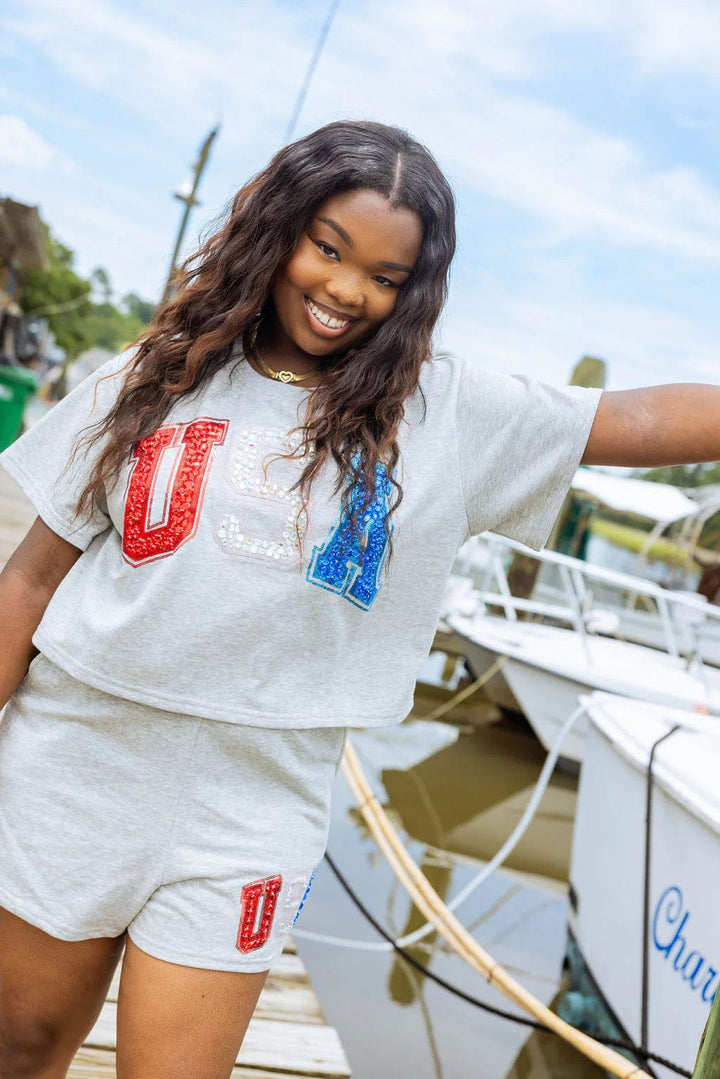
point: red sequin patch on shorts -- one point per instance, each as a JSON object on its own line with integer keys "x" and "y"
{"x": 258, "y": 901}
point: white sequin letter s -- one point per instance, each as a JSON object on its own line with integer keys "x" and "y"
{"x": 265, "y": 526}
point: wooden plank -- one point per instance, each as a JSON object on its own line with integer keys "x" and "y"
{"x": 92, "y": 1064}
{"x": 297, "y": 1047}
{"x": 300, "y": 1048}
{"x": 100, "y": 1064}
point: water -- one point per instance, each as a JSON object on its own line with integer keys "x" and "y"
{"x": 454, "y": 796}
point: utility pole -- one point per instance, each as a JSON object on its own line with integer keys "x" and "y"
{"x": 188, "y": 197}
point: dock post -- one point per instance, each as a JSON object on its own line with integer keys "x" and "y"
{"x": 707, "y": 1065}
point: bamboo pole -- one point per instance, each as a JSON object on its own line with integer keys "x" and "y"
{"x": 435, "y": 911}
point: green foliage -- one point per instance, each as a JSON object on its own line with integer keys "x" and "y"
{"x": 691, "y": 476}
{"x": 65, "y": 300}
{"x": 60, "y": 296}
{"x": 682, "y": 475}
{"x": 142, "y": 309}
{"x": 110, "y": 328}
{"x": 100, "y": 279}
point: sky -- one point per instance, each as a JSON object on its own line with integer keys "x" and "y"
{"x": 581, "y": 138}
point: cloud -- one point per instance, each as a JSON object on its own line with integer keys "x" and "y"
{"x": 181, "y": 71}
{"x": 667, "y": 35}
{"x": 582, "y": 182}
{"x": 21, "y": 146}
{"x": 545, "y": 328}
{"x": 448, "y": 82}
{"x": 574, "y": 182}
{"x": 468, "y": 79}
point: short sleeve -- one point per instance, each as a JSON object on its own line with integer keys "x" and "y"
{"x": 37, "y": 460}
{"x": 519, "y": 443}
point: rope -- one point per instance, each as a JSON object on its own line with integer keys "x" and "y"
{"x": 505, "y": 851}
{"x": 467, "y": 997}
{"x": 463, "y": 695}
{"x": 394, "y": 946}
{"x": 428, "y": 901}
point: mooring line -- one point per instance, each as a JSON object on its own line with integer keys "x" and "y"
{"x": 435, "y": 910}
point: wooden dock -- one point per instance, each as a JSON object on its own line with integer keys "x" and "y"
{"x": 16, "y": 516}
{"x": 288, "y": 1036}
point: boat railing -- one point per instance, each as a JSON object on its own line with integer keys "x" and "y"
{"x": 679, "y": 612}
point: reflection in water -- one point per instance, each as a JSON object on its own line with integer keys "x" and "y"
{"x": 468, "y": 797}
{"x": 414, "y": 977}
{"x": 455, "y": 799}
{"x": 402, "y": 989}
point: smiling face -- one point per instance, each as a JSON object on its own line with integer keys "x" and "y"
{"x": 344, "y": 277}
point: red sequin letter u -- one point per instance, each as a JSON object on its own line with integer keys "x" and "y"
{"x": 182, "y": 506}
{"x": 255, "y": 926}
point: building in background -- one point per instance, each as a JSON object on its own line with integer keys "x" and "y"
{"x": 22, "y": 247}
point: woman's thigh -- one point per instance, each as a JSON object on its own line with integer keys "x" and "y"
{"x": 51, "y": 991}
{"x": 178, "y": 1020}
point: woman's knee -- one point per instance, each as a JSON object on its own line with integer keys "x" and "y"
{"x": 51, "y": 992}
{"x": 29, "y": 1045}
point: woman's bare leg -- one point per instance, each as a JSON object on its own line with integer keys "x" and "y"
{"x": 51, "y": 993}
{"x": 175, "y": 1020}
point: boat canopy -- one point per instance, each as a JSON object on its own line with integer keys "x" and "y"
{"x": 660, "y": 502}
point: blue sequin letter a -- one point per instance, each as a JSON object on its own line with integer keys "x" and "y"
{"x": 340, "y": 564}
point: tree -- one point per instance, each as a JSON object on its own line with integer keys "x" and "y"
{"x": 59, "y": 295}
{"x": 683, "y": 475}
{"x": 141, "y": 309}
{"x": 100, "y": 279}
{"x": 65, "y": 300}
{"x": 112, "y": 329}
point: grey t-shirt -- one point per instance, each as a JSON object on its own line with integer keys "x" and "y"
{"x": 194, "y": 592}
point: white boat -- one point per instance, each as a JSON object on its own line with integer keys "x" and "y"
{"x": 546, "y": 667}
{"x": 675, "y": 931}
{"x": 657, "y": 504}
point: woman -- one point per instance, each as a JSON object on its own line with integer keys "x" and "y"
{"x": 245, "y": 528}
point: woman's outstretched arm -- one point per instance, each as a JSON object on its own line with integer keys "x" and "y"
{"x": 659, "y": 425}
{"x": 27, "y": 584}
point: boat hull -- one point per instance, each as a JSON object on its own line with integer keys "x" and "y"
{"x": 548, "y": 701}
{"x": 547, "y": 669}
{"x": 497, "y": 689}
{"x": 607, "y": 876}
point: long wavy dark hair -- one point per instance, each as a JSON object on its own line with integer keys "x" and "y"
{"x": 354, "y": 415}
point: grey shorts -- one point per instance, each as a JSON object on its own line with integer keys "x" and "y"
{"x": 197, "y": 836}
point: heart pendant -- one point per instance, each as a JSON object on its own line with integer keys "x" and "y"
{"x": 286, "y": 376}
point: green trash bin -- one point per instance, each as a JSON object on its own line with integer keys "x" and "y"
{"x": 17, "y": 384}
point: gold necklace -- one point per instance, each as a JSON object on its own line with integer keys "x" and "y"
{"x": 279, "y": 376}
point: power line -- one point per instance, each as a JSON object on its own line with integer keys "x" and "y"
{"x": 319, "y": 46}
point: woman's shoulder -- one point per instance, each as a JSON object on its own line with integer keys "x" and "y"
{"x": 445, "y": 374}
{"x": 439, "y": 373}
